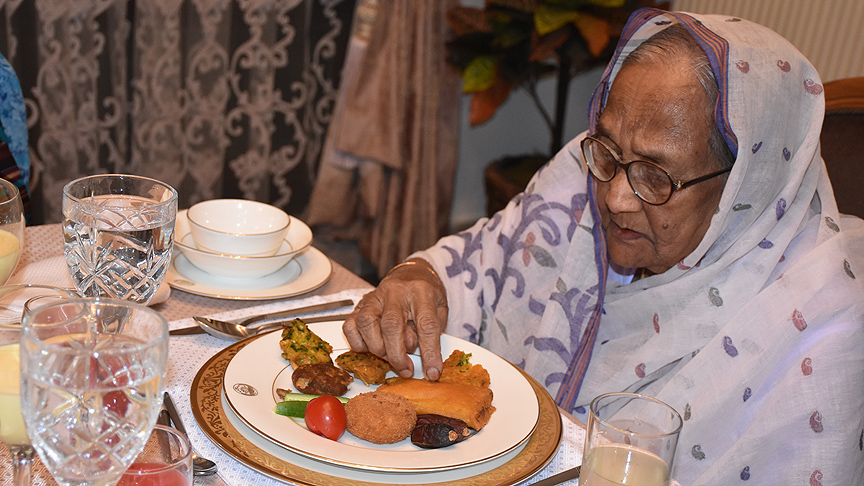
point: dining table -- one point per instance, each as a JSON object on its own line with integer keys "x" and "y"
{"x": 194, "y": 365}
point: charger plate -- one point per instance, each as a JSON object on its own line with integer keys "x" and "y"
{"x": 258, "y": 370}
{"x": 229, "y": 433}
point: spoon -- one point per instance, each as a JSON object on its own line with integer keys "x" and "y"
{"x": 233, "y": 332}
{"x": 201, "y": 466}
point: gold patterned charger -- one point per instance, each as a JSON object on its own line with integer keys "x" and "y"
{"x": 258, "y": 370}
{"x": 222, "y": 426}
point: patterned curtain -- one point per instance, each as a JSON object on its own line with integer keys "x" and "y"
{"x": 218, "y": 98}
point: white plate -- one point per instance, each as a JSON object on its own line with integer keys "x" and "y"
{"x": 354, "y": 474}
{"x": 252, "y": 376}
{"x": 303, "y": 273}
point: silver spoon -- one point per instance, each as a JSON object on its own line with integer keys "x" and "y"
{"x": 233, "y": 332}
{"x": 201, "y": 466}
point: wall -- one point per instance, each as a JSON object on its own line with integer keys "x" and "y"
{"x": 828, "y": 32}
{"x": 517, "y": 128}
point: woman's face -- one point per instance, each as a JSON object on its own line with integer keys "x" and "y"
{"x": 658, "y": 113}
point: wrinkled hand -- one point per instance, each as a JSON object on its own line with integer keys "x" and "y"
{"x": 407, "y": 310}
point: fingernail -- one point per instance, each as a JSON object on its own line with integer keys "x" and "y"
{"x": 406, "y": 374}
{"x": 432, "y": 374}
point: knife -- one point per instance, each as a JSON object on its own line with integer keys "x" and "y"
{"x": 569, "y": 474}
{"x": 185, "y": 331}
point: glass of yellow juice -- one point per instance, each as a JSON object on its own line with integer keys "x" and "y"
{"x": 631, "y": 439}
{"x": 11, "y": 229}
{"x": 12, "y": 430}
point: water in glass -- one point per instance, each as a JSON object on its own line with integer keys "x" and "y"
{"x": 118, "y": 244}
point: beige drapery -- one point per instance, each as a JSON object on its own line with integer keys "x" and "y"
{"x": 387, "y": 173}
{"x": 217, "y": 98}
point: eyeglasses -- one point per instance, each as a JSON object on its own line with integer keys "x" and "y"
{"x": 649, "y": 181}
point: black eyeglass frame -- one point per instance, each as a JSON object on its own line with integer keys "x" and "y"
{"x": 676, "y": 185}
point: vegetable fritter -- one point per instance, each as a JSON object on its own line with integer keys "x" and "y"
{"x": 458, "y": 369}
{"x": 365, "y": 366}
{"x": 301, "y": 346}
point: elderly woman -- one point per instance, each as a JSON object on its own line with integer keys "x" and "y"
{"x": 687, "y": 247}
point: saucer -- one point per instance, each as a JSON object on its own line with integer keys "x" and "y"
{"x": 304, "y": 273}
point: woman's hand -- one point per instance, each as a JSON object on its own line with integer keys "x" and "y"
{"x": 407, "y": 310}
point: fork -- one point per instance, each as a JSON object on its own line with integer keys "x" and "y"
{"x": 292, "y": 312}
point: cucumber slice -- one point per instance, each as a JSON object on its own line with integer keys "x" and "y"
{"x": 294, "y": 404}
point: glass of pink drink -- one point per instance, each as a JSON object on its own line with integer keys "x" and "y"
{"x": 165, "y": 461}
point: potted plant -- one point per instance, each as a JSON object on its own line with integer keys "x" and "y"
{"x": 511, "y": 44}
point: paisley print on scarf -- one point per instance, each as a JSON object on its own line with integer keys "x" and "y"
{"x": 798, "y": 320}
{"x": 816, "y": 422}
{"x": 816, "y": 478}
{"x": 848, "y": 269}
{"x": 714, "y": 296}
{"x": 812, "y": 87}
{"x": 807, "y": 367}
{"x": 730, "y": 348}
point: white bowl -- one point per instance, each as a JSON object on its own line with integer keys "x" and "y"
{"x": 298, "y": 239}
{"x": 238, "y": 227}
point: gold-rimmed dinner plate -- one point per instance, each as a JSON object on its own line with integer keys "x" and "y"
{"x": 257, "y": 371}
{"x": 231, "y": 435}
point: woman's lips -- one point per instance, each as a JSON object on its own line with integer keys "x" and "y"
{"x": 624, "y": 234}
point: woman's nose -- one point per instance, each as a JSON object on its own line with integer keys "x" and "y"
{"x": 620, "y": 198}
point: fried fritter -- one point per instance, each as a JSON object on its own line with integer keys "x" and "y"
{"x": 379, "y": 417}
{"x": 458, "y": 369}
{"x": 365, "y": 366}
{"x": 321, "y": 379}
{"x": 301, "y": 346}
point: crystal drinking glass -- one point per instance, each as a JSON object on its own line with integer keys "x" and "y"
{"x": 165, "y": 460}
{"x": 11, "y": 229}
{"x": 12, "y": 432}
{"x": 118, "y": 233}
{"x": 631, "y": 439}
{"x": 91, "y": 385}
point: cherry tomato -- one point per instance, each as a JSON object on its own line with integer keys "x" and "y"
{"x": 116, "y": 401}
{"x": 325, "y": 416}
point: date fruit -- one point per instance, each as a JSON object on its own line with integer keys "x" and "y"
{"x": 436, "y": 431}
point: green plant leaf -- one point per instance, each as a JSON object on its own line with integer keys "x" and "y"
{"x": 485, "y": 103}
{"x": 479, "y": 75}
{"x": 467, "y": 20}
{"x": 549, "y": 19}
{"x": 609, "y": 3}
{"x": 595, "y": 31}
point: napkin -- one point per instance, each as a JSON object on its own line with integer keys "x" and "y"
{"x": 53, "y": 271}
{"x": 189, "y": 353}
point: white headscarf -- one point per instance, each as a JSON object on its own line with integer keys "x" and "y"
{"x": 756, "y": 337}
